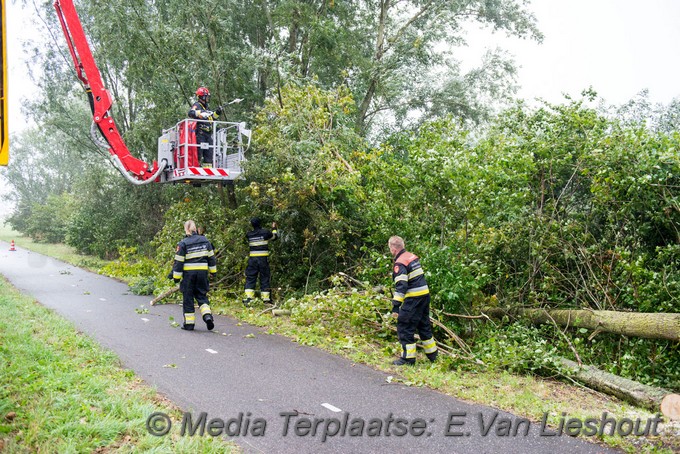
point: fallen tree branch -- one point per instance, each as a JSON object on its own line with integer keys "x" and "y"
{"x": 351, "y": 279}
{"x": 642, "y": 395}
{"x": 461, "y": 343}
{"x": 163, "y": 295}
{"x": 172, "y": 290}
{"x": 280, "y": 312}
{"x": 571, "y": 346}
{"x": 465, "y": 316}
{"x": 267, "y": 309}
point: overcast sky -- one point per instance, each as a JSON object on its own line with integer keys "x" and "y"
{"x": 619, "y": 47}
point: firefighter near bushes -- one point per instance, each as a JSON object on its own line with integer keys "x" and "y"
{"x": 194, "y": 262}
{"x": 410, "y": 304}
{"x": 258, "y": 261}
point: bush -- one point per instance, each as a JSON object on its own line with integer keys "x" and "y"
{"x": 49, "y": 222}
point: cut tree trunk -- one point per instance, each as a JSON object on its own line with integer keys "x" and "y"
{"x": 641, "y": 395}
{"x": 654, "y": 325}
{"x": 670, "y": 406}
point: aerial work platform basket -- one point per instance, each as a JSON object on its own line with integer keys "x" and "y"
{"x": 178, "y": 147}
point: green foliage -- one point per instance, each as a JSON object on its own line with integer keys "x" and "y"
{"x": 650, "y": 361}
{"x": 49, "y": 222}
{"x": 339, "y": 312}
{"x": 153, "y": 55}
{"x": 450, "y": 199}
{"x": 223, "y": 226}
{"x": 303, "y": 175}
{"x": 138, "y": 270}
{"x": 41, "y": 183}
{"x": 604, "y": 198}
{"x": 517, "y": 348}
{"x": 62, "y": 196}
{"x": 143, "y": 285}
{"x": 111, "y": 215}
{"x": 558, "y": 207}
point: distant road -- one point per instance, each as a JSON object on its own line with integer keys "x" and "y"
{"x": 269, "y": 380}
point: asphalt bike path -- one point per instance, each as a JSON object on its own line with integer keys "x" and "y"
{"x": 276, "y": 395}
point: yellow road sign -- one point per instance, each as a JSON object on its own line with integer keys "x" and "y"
{"x": 4, "y": 131}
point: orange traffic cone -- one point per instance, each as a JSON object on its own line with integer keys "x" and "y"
{"x": 11, "y": 246}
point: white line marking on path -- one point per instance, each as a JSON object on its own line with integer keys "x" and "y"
{"x": 210, "y": 350}
{"x": 102, "y": 299}
{"x": 145, "y": 319}
{"x": 331, "y": 407}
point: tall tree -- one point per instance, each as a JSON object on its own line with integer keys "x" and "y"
{"x": 397, "y": 56}
{"x": 388, "y": 50}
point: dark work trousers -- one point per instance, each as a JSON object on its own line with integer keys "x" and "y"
{"x": 204, "y": 155}
{"x": 194, "y": 285}
{"x": 414, "y": 316}
{"x": 258, "y": 265}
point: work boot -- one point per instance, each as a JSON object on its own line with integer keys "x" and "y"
{"x": 403, "y": 361}
{"x": 432, "y": 356}
{"x": 187, "y": 327}
{"x": 209, "y": 321}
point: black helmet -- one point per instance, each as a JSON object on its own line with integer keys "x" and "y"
{"x": 255, "y": 222}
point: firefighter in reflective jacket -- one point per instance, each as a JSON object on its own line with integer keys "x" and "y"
{"x": 204, "y": 127}
{"x": 410, "y": 304}
{"x": 194, "y": 260}
{"x": 258, "y": 263}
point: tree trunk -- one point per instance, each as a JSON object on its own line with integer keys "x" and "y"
{"x": 377, "y": 61}
{"x": 641, "y": 395}
{"x": 655, "y": 325}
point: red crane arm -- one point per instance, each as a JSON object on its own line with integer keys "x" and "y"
{"x": 98, "y": 95}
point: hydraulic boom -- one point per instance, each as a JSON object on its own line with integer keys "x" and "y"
{"x": 135, "y": 170}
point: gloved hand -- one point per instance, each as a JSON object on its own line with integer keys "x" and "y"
{"x": 395, "y": 307}
{"x": 205, "y": 115}
{"x": 176, "y": 280}
{"x": 170, "y": 275}
{"x": 219, "y": 110}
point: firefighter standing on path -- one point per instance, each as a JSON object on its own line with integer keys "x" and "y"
{"x": 204, "y": 127}
{"x": 258, "y": 263}
{"x": 194, "y": 260}
{"x": 410, "y": 304}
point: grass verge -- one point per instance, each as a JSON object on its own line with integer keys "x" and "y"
{"x": 58, "y": 251}
{"x": 63, "y": 393}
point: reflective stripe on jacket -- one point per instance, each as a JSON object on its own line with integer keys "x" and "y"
{"x": 408, "y": 276}
{"x": 204, "y": 125}
{"x": 258, "y": 241}
{"x": 194, "y": 253}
